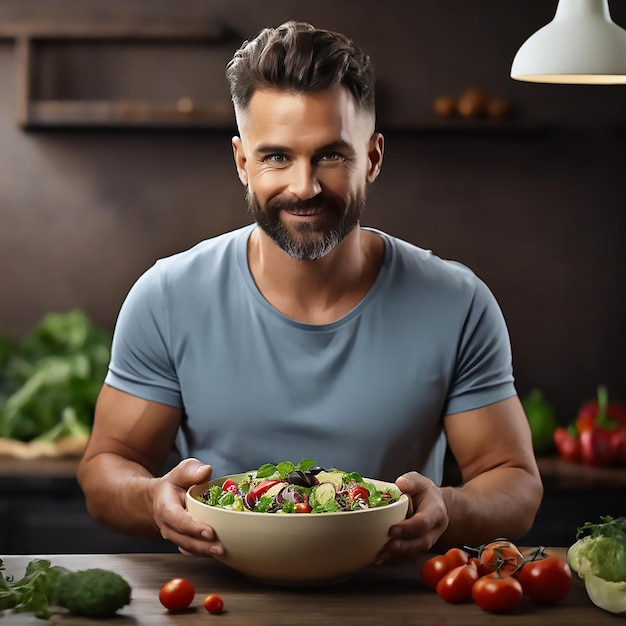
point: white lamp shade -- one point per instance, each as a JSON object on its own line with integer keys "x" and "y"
{"x": 582, "y": 45}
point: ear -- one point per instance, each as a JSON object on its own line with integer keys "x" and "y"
{"x": 240, "y": 160}
{"x": 375, "y": 156}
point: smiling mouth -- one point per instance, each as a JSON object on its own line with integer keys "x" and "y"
{"x": 305, "y": 212}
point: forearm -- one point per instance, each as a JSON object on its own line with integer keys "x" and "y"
{"x": 501, "y": 502}
{"x": 123, "y": 501}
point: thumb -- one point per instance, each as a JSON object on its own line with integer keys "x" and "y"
{"x": 411, "y": 483}
{"x": 194, "y": 471}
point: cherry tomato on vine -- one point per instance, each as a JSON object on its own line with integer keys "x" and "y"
{"x": 177, "y": 594}
{"x": 545, "y": 580}
{"x": 213, "y": 603}
{"x": 456, "y": 586}
{"x": 501, "y": 555}
{"x": 496, "y": 593}
{"x": 435, "y": 568}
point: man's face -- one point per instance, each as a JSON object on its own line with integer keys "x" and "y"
{"x": 306, "y": 160}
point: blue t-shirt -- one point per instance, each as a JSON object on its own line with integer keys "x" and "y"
{"x": 366, "y": 393}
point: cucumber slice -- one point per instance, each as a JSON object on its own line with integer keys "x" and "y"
{"x": 336, "y": 478}
{"x": 325, "y": 493}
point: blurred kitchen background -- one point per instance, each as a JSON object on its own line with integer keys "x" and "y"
{"x": 531, "y": 197}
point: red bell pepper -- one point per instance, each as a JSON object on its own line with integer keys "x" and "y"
{"x": 596, "y": 448}
{"x": 567, "y": 444}
{"x": 618, "y": 446}
{"x": 602, "y": 431}
{"x": 601, "y": 414}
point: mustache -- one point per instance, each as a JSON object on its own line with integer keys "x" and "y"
{"x": 321, "y": 201}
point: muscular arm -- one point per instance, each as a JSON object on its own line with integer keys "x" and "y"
{"x": 501, "y": 487}
{"x": 500, "y": 492}
{"x": 130, "y": 441}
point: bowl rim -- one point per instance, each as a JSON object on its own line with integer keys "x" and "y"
{"x": 215, "y": 481}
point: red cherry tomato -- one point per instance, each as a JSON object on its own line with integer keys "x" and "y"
{"x": 546, "y": 580}
{"x": 456, "y": 585}
{"x": 302, "y": 507}
{"x": 230, "y": 485}
{"x": 501, "y": 555}
{"x": 496, "y": 593}
{"x": 435, "y": 568}
{"x": 213, "y": 603}
{"x": 177, "y": 594}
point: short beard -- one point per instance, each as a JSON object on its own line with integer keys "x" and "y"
{"x": 314, "y": 239}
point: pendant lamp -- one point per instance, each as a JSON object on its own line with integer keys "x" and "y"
{"x": 581, "y": 45}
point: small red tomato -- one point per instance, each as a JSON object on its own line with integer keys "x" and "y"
{"x": 230, "y": 485}
{"x": 177, "y": 594}
{"x": 496, "y": 593}
{"x": 456, "y": 585}
{"x": 546, "y": 580}
{"x": 435, "y": 568}
{"x": 213, "y": 603}
{"x": 501, "y": 555}
{"x": 302, "y": 507}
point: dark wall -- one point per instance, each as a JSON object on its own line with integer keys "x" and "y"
{"x": 536, "y": 210}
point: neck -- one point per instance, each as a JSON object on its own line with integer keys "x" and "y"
{"x": 320, "y": 291}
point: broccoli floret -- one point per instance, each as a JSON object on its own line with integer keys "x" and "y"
{"x": 91, "y": 593}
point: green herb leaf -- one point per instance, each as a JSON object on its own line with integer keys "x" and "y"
{"x": 267, "y": 469}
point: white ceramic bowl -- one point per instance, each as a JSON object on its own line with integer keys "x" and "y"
{"x": 299, "y": 548}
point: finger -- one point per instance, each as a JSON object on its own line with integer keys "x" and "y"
{"x": 191, "y": 471}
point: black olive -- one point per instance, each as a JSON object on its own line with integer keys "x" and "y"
{"x": 316, "y": 469}
{"x": 298, "y": 477}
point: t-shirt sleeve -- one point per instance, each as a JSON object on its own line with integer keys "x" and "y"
{"x": 484, "y": 370}
{"x": 141, "y": 361}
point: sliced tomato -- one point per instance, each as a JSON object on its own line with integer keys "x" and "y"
{"x": 254, "y": 495}
{"x": 230, "y": 485}
{"x": 359, "y": 492}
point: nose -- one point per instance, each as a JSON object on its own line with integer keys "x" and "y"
{"x": 303, "y": 181}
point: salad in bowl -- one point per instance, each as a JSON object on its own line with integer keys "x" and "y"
{"x": 298, "y": 524}
{"x": 302, "y": 488}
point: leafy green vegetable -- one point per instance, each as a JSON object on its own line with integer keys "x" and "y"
{"x": 283, "y": 469}
{"x": 92, "y": 592}
{"x": 600, "y": 559}
{"x": 51, "y": 379}
{"x": 603, "y": 551}
{"x": 30, "y": 593}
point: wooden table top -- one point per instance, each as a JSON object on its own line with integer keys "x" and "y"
{"x": 385, "y": 594}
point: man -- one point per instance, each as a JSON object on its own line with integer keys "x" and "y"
{"x": 306, "y": 335}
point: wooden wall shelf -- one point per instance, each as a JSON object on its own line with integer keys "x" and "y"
{"x": 36, "y": 112}
{"x": 126, "y": 114}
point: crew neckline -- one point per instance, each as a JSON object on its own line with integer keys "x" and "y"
{"x": 242, "y": 256}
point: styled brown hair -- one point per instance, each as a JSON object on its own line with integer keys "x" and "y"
{"x": 296, "y": 57}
